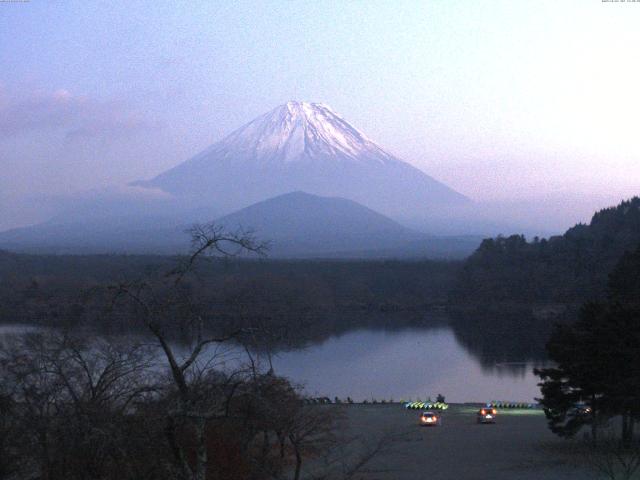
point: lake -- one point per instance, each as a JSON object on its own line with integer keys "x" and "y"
{"x": 399, "y": 364}
{"x": 404, "y": 364}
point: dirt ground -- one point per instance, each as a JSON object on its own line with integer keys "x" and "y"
{"x": 518, "y": 446}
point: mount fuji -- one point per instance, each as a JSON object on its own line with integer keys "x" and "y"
{"x": 302, "y": 146}
{"x": 300, "y": 175}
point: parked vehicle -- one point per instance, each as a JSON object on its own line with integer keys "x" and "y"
{"x": 580, "y": 410}
{"x": 430, "y": 419}
{"x": 486, "y": 415}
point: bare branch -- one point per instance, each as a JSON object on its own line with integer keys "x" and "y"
{"x": 211, "y": 239}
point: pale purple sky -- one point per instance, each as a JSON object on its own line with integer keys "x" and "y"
{"x": 501, "y": 100}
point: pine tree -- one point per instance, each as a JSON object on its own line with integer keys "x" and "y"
{"x": 597, "y": 360}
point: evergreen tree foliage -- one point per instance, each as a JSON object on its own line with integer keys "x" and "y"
{"x": 597, "y": 360}
{"x": 569, "y": 269}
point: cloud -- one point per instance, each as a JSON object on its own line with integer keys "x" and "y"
{"x": 72, "y": 116}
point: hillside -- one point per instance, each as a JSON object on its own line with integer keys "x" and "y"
{"x": 298, "y": 224}
{"x": 567, "y": 269}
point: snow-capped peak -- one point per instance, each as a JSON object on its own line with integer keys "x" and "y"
{"x": 297, "y": 131}
{"x": 307, "y": 147}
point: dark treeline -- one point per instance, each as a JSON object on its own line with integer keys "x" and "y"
{"x": 567, "y": 269}
{"x": 60, "y": 290}
{"x": 510, "y": 293}
{"x": 325, "y": 285}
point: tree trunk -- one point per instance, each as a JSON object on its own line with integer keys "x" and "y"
{"x": 265, "y": 444}
{"x": 200, "y": 470}
{"x": 594, "y": 421}
{"x": 296, "y": 450}
{"x": 45, "y": 459}
{"x": 627, "y": 430}
{"x": 178, "y": 455}
{"x": 281, "y": 440}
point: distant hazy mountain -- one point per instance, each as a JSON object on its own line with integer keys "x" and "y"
{"x": 306, "y": 147}
{"x": 103, "y": 234}
{"x": 299, "y": 223}
{"x": 296, "y": 225}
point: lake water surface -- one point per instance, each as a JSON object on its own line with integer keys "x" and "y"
{"x": 404, "y": 364}
{"x": 398, "y": 364}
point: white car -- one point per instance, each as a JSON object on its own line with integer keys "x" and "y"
{"x": 430, "y": 419}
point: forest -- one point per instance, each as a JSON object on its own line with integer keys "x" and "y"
{"x": 566, "y": 269}
{"x": 316, "y": 298}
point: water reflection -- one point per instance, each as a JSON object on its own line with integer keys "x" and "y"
{"x": 389, "y": 358}
{"x": 503, "y": 340}
{"x": 403, "y": 364}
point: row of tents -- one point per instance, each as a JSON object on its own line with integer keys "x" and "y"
{"x": 426, "y": 405}
{"x": 444, "y": 406}
{"x": 505, "y": 405}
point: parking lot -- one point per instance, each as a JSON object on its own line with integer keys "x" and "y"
{"x": 518, "y": 446}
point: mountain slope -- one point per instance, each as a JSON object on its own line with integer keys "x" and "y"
{"x": 104, "y": 234}
{"x": 307, "y": 147}
{"x": 571, "y": 268}
{"x": 297, "y": 223}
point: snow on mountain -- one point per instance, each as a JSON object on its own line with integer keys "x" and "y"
{"x": 302, "y": 146}
{"x": 298, "y": 131}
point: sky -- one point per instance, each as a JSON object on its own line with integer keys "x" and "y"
{"x": 509, "y": 100}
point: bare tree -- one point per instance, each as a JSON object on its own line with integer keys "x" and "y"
{"x": 311, "y": 434}
{"x": 612, "y": 459}
{"x": 157, "y": 304}
{"x": 9, "y": 458}
{"x": 71, "y": 394}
